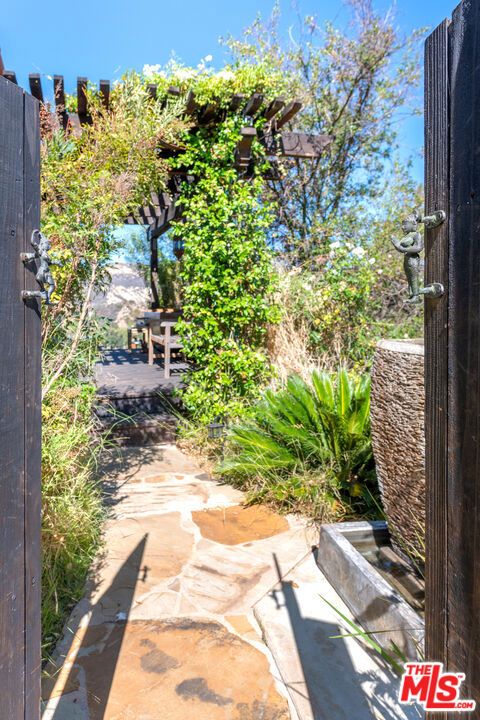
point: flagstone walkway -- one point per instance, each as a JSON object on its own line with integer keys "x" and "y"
{"x": 167, "y": 630}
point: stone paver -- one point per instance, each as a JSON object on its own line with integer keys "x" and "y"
{"x": 168, "y": 627}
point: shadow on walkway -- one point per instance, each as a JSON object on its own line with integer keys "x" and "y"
{"x": 115, "y": 603}
{"x": 332, "y": 687}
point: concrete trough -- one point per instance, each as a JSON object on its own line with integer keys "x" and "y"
{"x": 377, "y": 607}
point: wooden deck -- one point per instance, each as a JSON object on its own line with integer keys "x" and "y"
{"x": 126, "y": 374}
{"x": 136, "y": 403}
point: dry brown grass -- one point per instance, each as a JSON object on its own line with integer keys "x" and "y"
{"x": 288, "y": 342}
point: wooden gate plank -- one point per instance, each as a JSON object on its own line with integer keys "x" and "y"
{"x": 463, "y": 559}
{"x": 436, "y": 340}
{"x": 12, "y": 565}
{"x": 33, "y": 419}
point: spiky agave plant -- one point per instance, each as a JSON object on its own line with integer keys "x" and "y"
{"x": 304, "y": 427}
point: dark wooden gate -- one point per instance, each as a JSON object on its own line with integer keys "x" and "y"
{"x": 20, "y": 409}
{"x": 452, "y": 345}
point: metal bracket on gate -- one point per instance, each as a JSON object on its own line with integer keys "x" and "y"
{"x": 411, "y": 245}
{"x": 44, "y": 275}
{"x": 433, "y": 221}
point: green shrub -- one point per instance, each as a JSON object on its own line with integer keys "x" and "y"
{"x": 308, "y": 442}
{"x": 72, "y": 510}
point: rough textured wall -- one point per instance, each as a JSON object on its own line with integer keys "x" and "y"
{"x": 398, "y": 436}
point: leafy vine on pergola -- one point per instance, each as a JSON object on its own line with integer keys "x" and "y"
{"x": 273, "y": 115}
{"x": 212, "y": 199}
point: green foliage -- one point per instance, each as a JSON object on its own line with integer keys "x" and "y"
{"x": 227, "y": 274}
{"x": 307, "y": 443}
{"x": 114, "y": 337}
{"x": 396, "y": 658}
{"x": 217, "y": 87}
{"x": 355, "y": 84}
{"x": 334, "y": 304}
{"x": 303, "y": 429}
{"x": 354, "y": 293}
{"x": 91, "y": 183}
{"x": 169, "y": 281}
{"x": 72, "y": 507}
{"x": 226, "y": 270}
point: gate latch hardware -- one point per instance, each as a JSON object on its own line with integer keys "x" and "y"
{"x": 44, "y": 277}
{"x": 411, "y": 245}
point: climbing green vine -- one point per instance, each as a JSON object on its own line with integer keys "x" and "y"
{"x": 227, "y": 270}
{"x": 228, "y": 275}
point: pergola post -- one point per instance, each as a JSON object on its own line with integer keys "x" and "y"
{"x": 153, "y": 268}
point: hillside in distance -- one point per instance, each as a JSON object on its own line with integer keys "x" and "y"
{"x": 126, "y": 298}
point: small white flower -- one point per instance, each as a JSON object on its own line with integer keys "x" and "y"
{"x": 225, "y": 75}
{"x": 185, "y": 73}
{"x": 358, "y": 251}
{"x": 149, "y": 70}
{"x": 335, "y": 245}
{"x": 372, "y": 261}
{"x": 380, "y": 271}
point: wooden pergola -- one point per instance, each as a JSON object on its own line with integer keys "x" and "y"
{"x": 165, "y": 207}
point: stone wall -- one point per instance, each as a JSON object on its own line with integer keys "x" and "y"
{"x": 397, "y": 415}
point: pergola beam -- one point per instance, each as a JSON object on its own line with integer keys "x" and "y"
{"x": 253, "y": 105}
{"x": 191, "y": 106}
{"x": 295, "y": 144}
{"x": 287, "y": 114}
{"x": 10, "y": 75}
{"x": 35, "y": 84}
{"x": 104, "y": 87}
{"x": 59, "y": 95}
{"x": 275, "y": 106}
{"x": 82, "y": 107}
{"x": 152, "y": 90}
{"x": 302, "y": 145}
{"x": 59, "y": 91}
{"x": 208, "y": 113}
{"x": 243, "y": 151}
{"x": 236, "y": 102}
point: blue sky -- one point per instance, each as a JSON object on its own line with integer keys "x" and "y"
{"x": 103, "y": 38}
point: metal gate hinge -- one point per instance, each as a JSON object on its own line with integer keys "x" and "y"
{"x": 435, "y": 290}
{"x": 434, "y": 220}
{"x": 35, "y": 294}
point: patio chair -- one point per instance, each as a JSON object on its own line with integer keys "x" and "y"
{"x": 161, "y": 334}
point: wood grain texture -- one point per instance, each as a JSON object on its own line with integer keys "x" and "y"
{"x": 33, "y": 418}
{"x": 436, "y": 342}
{"x": 463, "y": 519}
{"x": 12, "y": 562}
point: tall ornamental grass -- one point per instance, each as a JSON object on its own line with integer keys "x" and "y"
{"x": 72, "y": 511}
